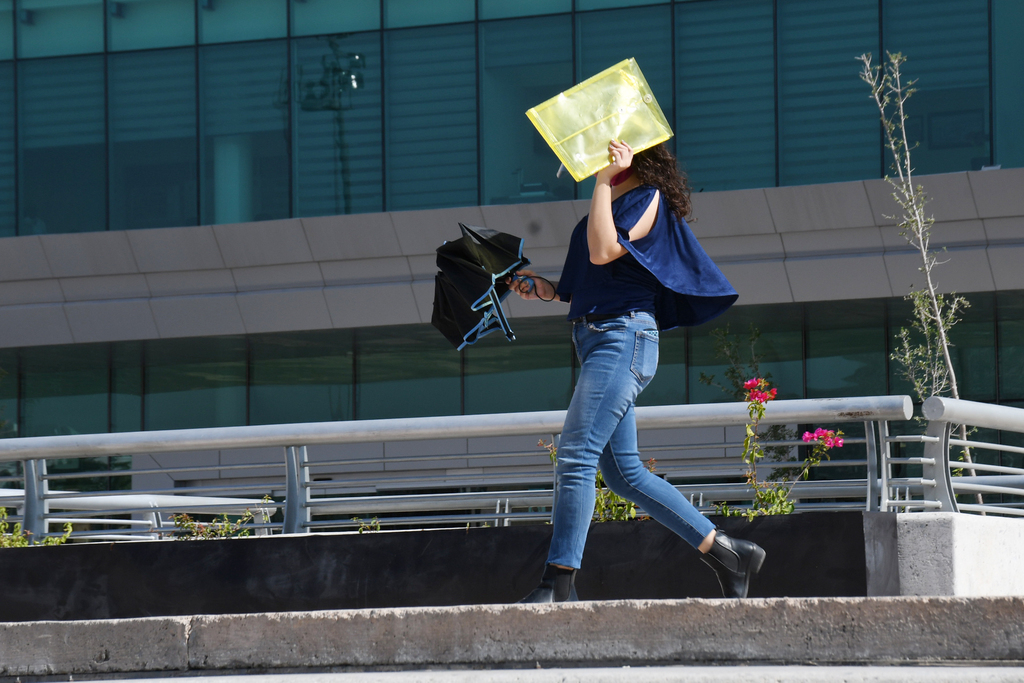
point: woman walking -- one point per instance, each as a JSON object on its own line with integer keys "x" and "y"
{"x": 633, "y": 268}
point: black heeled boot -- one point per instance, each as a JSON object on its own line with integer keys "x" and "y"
{"x": 734, "y": 561}
{"x": 557, "y": 585}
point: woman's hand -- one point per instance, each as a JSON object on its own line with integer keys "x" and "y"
{"x": 622, "y": 158}
{"x": 534, "y": 288}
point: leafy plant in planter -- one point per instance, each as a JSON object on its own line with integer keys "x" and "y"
{"x": 17, "y": 538}
{"x": 771, "y": 497}
{"x": 608, "y": 506}
{"x": 189, "y": 529}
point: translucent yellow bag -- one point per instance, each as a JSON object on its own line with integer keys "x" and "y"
{"x": 616, "y": 104}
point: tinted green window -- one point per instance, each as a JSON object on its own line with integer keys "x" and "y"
{"x": 47, "y": 28}
{"x": 534, "y": 373}
{"x": 142, "y": 24}
{"x": 607, "y": 38}
{"x": 502, "y": 9}
{"x": 400, "y": 13}
{"x": 900, "y": 314}
{"x": 725, "y": 93}
{"x": 303, "y": 377}
{"x": 195, "y": 383}
{"x": 523, "y": 62}
{"x": 152, "y": 110}
{"x": 222, "y": 21}
{"x": 317, "y": 17}
{"x": 1010, "y": 308}
{"x": 64, "y": 390}
{"x": 126, "y": 387}
{"x": 406, "y": 371}
{"x": 949, "y": 115}
{"x": 8, "y": 393}
{"x": 609, "y": 4}
{"x": 8, "y": 219}
{"x": 669, "y": 385}
{"x": 6, "y": 33}
{"x": 828, "y": 126}
{"x": 430, "y": 106}
{"x": 1007, "y": 76}
{"x": 973, "y": 349}
{"x": 243, "y": 127}
{"x": 778, "y": 344}
{"x": 846, "y": 349}
{"x": 337, "y": 125}
{"x": 62, "y": 140}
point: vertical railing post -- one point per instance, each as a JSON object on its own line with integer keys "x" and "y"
{"x": 937, "y": 450}
{"x": 873, "y": 456}
{"x": 883, "y": 467}
{"x": 296, "y": 503}
{"x": 36, "y": 505}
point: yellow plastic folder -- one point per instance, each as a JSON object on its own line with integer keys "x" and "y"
{"x": 616, "y": 104}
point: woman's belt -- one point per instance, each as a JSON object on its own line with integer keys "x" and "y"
{"x": 598, "y": 317}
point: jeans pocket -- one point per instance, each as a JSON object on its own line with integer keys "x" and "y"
{"x": 645, "y": 356}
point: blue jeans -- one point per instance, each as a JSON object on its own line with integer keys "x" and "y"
{"x": 619, "y": 358}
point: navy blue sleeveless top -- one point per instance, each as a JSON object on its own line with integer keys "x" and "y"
{"x": 665, "y": 272}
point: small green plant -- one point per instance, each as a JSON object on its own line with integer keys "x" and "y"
{"x": 771, "y": 497}
{"x": 189, "y": 529}
{"x": 17, "y": 538}
{"x": 367, "y": 526}
{"x": 608, "y": 506}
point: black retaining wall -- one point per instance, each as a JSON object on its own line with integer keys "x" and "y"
{"x": 809, "y": 555}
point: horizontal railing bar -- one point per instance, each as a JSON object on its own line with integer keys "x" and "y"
{"x": 987, "y": 415}
{"x": 436, "y": 519}
{"x": 380, "y": 504}
{"x": 914, "y": 504}
{"x": 986, "y": 446}
{"x": 161, "y": 470}
{"x": 196, "y": 508}
{"x": 162, "y": 492}
{"x": 911, "y": 461}
{"x": 912, "y": 438}
{"x": 440, "y": 480}
{"x": 908, "y": 481}
{"x": 798, "y": 411}
{"x": 995, "y": 509}
{"x": 94, "y": 520}
{"x": 966, "y": 487}
{"x": 960, "y": 465}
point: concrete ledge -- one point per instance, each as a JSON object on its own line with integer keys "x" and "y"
{"x": 108, "y": 646}
{"x": 608, "y": 633}
{"x": 650, "y": 674}
{"x": 947, "y": 553}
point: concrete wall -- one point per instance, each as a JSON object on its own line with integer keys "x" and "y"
{"x": 946, "y": 553}
{"x": 784, "y": 244}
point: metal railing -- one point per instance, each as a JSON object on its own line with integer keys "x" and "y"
{"x": 1005, "y": 482}
{"x": 434, "y": 487}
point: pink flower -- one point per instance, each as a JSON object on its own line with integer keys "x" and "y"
{"x": 751, "y": 383}
{"x": 808, "y": 436}
{"x": 839, "y": 443}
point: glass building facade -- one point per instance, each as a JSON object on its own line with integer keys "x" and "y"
{"x": 810, "y": 350}
{"x": 125, "y": 114}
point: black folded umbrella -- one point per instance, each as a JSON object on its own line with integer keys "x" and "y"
{"x": 470, "y": 285}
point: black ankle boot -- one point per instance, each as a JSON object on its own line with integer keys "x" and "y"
{"x": 557, "y": 585}
{"x": 734, "y": 561}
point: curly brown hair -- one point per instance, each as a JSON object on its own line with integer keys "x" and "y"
{"x": 657, "y": 166}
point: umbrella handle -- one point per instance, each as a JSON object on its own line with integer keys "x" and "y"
{"x": 530, "y": 284}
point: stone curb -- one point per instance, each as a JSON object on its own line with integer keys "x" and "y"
{"x": 639, "y": 632}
